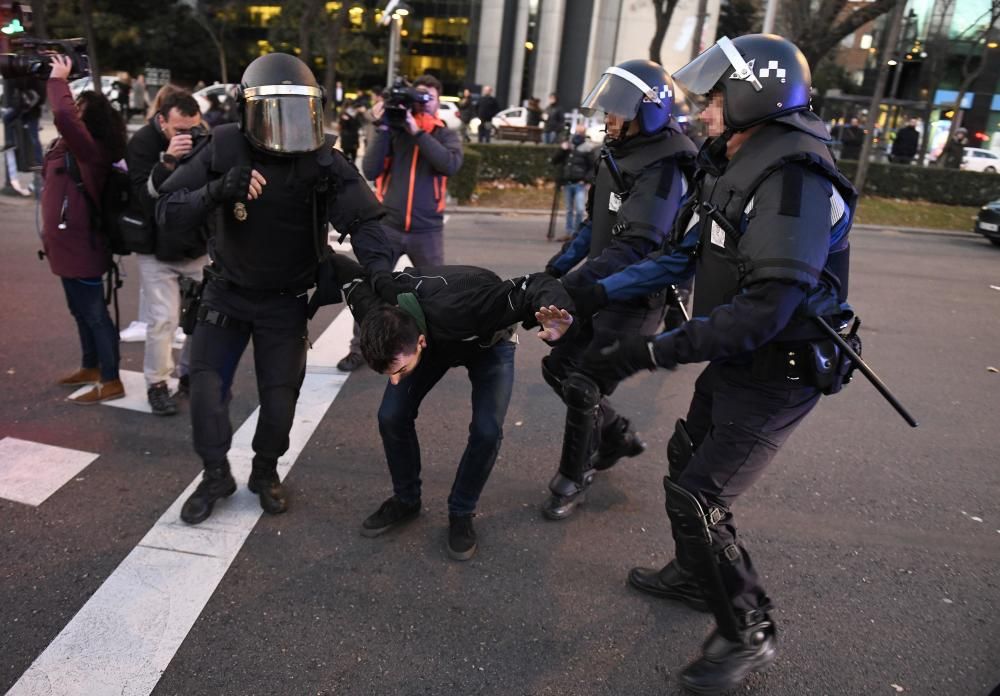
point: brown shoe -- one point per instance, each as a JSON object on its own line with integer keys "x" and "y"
{"x": 102, "y": 391}
{"x": 85, "y": 375}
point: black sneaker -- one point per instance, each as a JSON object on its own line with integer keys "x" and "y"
{"x": 184, "y": 386}
{"x": 461, "y": 537}
{"x": 160, "y": 401}
{"x": 351, "y": 362}
{"x": 392, "y": 513}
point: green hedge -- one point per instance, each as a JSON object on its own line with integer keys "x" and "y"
{"x": 937, "y": 185}
{"x": 523, "y": 162}
{"x": 462, "y": 185}
{"x": 527, "y": 163}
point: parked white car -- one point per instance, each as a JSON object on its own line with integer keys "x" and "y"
{"x": 977, "y": 159}
{"x": 219, "y": 89}
{"x": 84, "y": 83}
{"x": 448, "y": 112}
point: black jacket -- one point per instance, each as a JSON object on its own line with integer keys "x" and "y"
{"x": 146, "y": 174}
{"x": 461, "y": 303}
{"x": 578, "y": 163}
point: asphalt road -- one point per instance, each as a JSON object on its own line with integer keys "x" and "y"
{"x": 880, "y": 544}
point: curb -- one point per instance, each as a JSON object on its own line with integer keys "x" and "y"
{"x": 473, "y": 210}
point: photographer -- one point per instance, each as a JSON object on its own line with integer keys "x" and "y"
{"x": 91, "y": 138}
{"x": 153, "y": 154}
{"x": 410, "y": 160}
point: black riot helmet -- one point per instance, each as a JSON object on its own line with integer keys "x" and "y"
{"x": 281, "y": 105}
{"x": 634, "y": 89}
{"x": 761, "y": 76}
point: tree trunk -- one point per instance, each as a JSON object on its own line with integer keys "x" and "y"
{"x": 39, "y": 20}
{"x": 664, "y": 10}
{"x": 331, "y": 43}
{"x": 817, "y": 32}
{"x": 86, "y": 16}
{"x": 307, "y": 21}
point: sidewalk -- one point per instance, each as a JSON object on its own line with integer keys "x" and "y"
{"x": 475, "y": 210}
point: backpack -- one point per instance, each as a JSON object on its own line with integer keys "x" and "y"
{"x": 110, "y": 217}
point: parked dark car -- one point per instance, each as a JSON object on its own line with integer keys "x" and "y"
{"x": 988, "y": 222}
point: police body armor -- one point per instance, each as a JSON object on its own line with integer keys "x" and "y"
{"x": 722, "y": 271}
{"x": 274, "y": 242}
{"x": 632, "y": 158}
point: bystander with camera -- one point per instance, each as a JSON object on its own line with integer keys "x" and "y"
{"x": 410, "y": 160}
{"x": 153, "y": 153}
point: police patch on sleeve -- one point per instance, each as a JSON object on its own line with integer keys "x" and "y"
{"x": 614, "y": 202}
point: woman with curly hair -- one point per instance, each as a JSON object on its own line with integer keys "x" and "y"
{"x": 91, "y": 139}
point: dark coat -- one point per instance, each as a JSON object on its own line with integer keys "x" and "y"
{"x": 906, "y": 143}
{"x": 77, "y": 251}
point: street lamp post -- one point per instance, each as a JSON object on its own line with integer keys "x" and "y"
{"x": 392, "y": 16}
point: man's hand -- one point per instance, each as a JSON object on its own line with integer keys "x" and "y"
{"x": 588, "y": 299}
{"x": 238, "y": 184}
{"x": 411, "y": 123}
{"x": 555, "y": 322}
{"x": 61, "y": 66}
{"x": 179, "y": 145}
{"x": 623, "y": 358}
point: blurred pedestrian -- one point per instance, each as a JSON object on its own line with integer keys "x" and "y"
{"x": 554, "y": 120}
{"x": 349, "y": 126}
{"x": 75, "y": 169}
{"x": 906, "y": 143}
{"x": 954, "y": 150}
{"x": 486, "y": 109}
{"x": 139, "y": 97}
{"x": 576, "y": 160}
{"x": 533, "y": 113}
{"x": 852, "y": 137}
{"x": 466, "y": 112}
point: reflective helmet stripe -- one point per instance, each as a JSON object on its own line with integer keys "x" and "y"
{"x": 648, "y": 91}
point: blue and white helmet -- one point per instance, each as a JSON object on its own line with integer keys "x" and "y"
{"x": 634, "y": 89}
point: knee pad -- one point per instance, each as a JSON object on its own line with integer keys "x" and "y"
{"x": 552, "y": 375}
{"x": 680, "y": 449}
{"x": 581, "y": 392}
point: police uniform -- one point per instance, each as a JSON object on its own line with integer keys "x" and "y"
{"x": 265, "y": 254}
{"x": 769, "y": 250}
{"x": 640, "y": 183}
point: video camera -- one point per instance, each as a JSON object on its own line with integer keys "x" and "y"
{"x": 399, "y": 99}
{"x": 33, "y": 57}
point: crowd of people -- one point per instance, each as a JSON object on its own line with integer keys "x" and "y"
{"x": 759, "y": 216}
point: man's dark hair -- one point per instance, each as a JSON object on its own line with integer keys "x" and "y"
{"x": 385, "y": 333}
{"x": 185, "y": 104}
{"x": 429, "y": 81}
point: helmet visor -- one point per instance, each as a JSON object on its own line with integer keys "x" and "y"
{"x": 620, "y": 93}
{"x": 284, "y": 123}
{"x": 698, "y": 78}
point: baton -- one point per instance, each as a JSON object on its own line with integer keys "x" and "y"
{"x": 551, "y": 234}
{"x": 865, "y": 370}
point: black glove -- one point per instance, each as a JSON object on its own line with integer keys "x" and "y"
{"x": 384, "y": 286}
{"x": 588, "y": 299}
{"x": 346, "y": 268}
{"x": 233, "y": 186}
{"x": 625, "y": 356}
{"x": 553, "y": 271}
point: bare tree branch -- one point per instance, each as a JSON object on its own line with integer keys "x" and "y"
{"x": 817, "y": 32}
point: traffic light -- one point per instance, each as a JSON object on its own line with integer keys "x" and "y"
{"x": 948, "y": 114}
{"x": 12, "y": 27}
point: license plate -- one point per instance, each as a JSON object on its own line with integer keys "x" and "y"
{"x": 989, "y": 226}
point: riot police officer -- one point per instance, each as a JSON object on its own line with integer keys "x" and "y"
{"x": 267, "y": 187}
{"x": 769, "y": 250}
{"x": 640, "y": 184}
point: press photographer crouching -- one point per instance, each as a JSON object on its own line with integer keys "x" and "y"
{"x": 75, "y": 169}
{"x": 165, "y": 256}
{"x": 410, "y": 160}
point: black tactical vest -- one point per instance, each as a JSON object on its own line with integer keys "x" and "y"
{"x": 721, "y": 270}
{"x": 278, "y": 244}
{"x": 632, "y": 158}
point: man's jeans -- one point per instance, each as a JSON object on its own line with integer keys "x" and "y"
{"x": 576, "y": 203}
{"x": 491, "y": 371}
{"x": 159, "y": 284}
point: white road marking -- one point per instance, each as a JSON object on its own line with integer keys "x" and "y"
{"x": 135, "y": 398}
{"x": 30, "y": 472}
{"x": 124, "y": 637}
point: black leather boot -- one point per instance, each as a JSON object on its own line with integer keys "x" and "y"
{"x": 216, "y": 483}
{"x": 725, "y": 663}
{"x": 265, "y": 483}
{"x": 566, "y": 495}
{"x": 670, "y": 582}
{"x": 617, "y": 440}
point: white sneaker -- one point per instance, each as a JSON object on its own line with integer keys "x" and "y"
{"x": 134, "y": 332}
